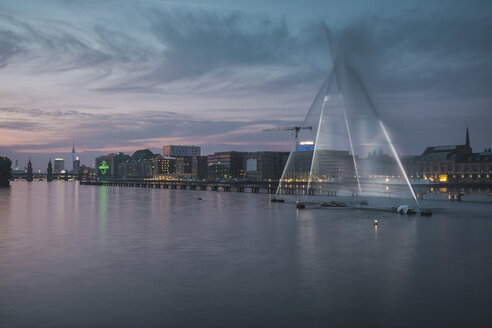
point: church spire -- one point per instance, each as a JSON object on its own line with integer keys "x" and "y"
{"x": 49, "y": 171}
{"x": 29, "y": 176}
{"x": 467, "y": 139}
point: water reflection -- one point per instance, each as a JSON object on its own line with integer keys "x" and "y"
{"x": 75, "y": 196}
{"x": 164, "y": 257}
{"x": 6, "y": 203}
{"x": 60, "y": 200}
{"x": 103, "y": 210}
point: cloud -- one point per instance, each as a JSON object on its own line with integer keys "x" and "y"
{"x": 162, "y": 47}
{"x": 20, "y": 125}
{"x": 145, "y": 72}
{"x": 418, "y": 50}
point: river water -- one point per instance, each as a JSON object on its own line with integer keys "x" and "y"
{"x": 85, "y": 256}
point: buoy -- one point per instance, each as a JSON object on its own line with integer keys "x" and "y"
{"x": 300, "y": 205}
{"x": 375, "y": 222}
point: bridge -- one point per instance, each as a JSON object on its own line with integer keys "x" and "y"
{"x": 43, "y": 176}
{"x": 267, "y": 187}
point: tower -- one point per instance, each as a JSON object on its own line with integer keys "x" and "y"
{"x": 73, "y": 154}
{"x": 29, "y": 171}
{"x": 467, "y": 145}
{"x": 49, "y": 176}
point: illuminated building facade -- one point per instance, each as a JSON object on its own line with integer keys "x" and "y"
{"x": 87, "y": 173}
{"x": 451, "y": 164}
{"x": 184, "y": 165}
{"x": 58, "y": 165}
{"x": 109, "y": 166}
{"x": 263, "y": 165}
{"x": 76, "y": 166}
{"x": 226, "y": 165}
{"x": 191, "y": 167}
{"x": 164, "y": 165}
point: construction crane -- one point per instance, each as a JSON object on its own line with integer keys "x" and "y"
{"x": 296, "y": 129}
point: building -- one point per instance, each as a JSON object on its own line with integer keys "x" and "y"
{"x": 58, "y": 166}
{"x": 191, "y": 167}
{"x": 378, "y": 164}
{"x": 141, "y": 164}
{"x": 265, "y": 165}
{"x": 76, "y": 166}
{"x": 328, "y": 165}
{"x": 181, "y": 167}
{"x": 109, "y": 166}
{"x": 199, "y": 167}
{"x": 178, "y": 150}
{"x": 226, "y": 165}
{"x": 451, "y": 163}
{"x": 184, "y": 165}
{"x": 164, "y": 166}
{"x": 86, "y": 173}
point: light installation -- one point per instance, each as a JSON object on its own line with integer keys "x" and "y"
{"x": 103, "y": 168}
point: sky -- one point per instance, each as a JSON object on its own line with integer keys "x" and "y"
{"x": 133, "y": 74}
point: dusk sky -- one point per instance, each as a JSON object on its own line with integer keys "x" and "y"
{"x": 126, "y": 75}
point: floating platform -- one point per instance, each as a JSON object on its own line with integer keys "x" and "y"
{"x": 363, "y": 205}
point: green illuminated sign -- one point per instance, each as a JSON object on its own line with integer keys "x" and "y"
{"x": 104, "y": 167}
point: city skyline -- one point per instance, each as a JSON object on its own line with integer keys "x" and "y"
{"x": 187, "y": 148}
{"x": 91, "y": 161}
{"x": 215, "y": 75}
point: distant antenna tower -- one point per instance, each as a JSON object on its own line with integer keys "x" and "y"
{"x": 73, "y": 153}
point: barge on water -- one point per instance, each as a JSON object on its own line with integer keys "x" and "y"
{"x": 363, "y": 205}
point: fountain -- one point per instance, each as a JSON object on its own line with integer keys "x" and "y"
{"x": 348, "y": 159}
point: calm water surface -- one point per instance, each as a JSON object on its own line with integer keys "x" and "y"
{"x": 80, "y": 256}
